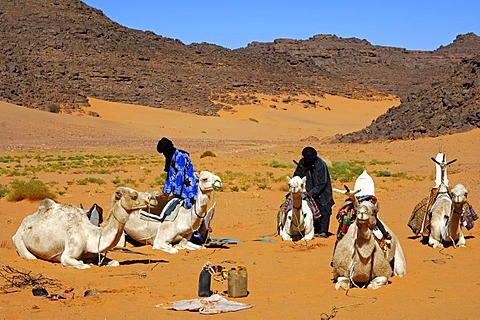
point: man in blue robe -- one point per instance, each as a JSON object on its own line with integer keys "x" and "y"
{"x": 181, "y": 180}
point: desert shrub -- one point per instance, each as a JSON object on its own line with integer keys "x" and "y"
{"x": 88, "y": 180}
{"x": 234, "y": 188}
{"x": 3, "y": 191}
{"x": 54, "y": 108}
{"x": 100, "y": 171}
{"x": 382, "y": 173}
{"x": 346, "y": 171}
{"x": 30, "y": 190}
{"x": 379, "y": 162}
{"x": 262, "y": 186}
{"x": 159, "y": 181}
{"x": 245, "y": 187}
{"x": 130, "y": 181}
{"x": 278, "y": 164}
{"x": 207, "y": 153}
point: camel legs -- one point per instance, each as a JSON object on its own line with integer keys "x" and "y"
{"x": 185, "y": 244}
{"x": 461, "y": 240}
{"x": 159, "y": 243}
{"x": 69, "y": 261}
{"x": 435, "y": 237}
{"x": 284, "y": 234}
{"x": 377, "y": 282}
{"x": 22, "y": 249}
{"x": 342, "y": 283}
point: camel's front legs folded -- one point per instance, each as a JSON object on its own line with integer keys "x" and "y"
{"x": 342, "y": 283}
{"x": 68, "y": 261}
{"x": 185, "y": 244}
{"x": 434, "y": 242}
{"x": 377, "y": 283}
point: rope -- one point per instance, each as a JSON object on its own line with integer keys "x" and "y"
{"x": 440, "y": 261}
{"x": 100, "y": 259}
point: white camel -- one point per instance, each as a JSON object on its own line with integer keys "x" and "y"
{"x": 63, "y": 233}
{"x": 163, "y": 235}
{"x": 446, "y": 212}
{"x": 297, "y": 222}
{"x": 446, "y": 218}
{"x": 358, "y": 259}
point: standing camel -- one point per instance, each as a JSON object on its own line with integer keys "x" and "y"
{"x": 63, "y": 233}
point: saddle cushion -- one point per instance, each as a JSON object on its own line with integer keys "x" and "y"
{"x": 169, "y": 212}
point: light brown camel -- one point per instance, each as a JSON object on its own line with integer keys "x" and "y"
{"x": 162, "y": 235}
{"x": 63, "y": 233}
{"x": 297, "y": 223}
{"x": 358, "y": 260}
{"x": 446, "y": 218}
{"x": 390, "y": 246}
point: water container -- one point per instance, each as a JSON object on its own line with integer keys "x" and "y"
{"x": 237, "y": 282}
{"x": 204, "y": 283}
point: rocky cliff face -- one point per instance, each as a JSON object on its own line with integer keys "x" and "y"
{"x": 60, "y": 52}
{"x": 387, "y": 69}
{"x": 449, "y": 106}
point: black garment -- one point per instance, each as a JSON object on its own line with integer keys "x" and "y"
{"x": 166, "y": 147}
{"x": 319, "y": 185}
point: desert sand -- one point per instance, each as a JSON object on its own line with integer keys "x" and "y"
{"x": 285, "y": 280}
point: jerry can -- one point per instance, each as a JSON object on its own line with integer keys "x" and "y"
{"x": 237, "y": 282}
{"x": 204, "y": 281}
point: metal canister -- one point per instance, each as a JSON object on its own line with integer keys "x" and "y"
{"x": 204, "y": 282}
{"x": 237, "y": 282}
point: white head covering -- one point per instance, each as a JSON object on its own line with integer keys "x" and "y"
{"x": 365, "y": 183}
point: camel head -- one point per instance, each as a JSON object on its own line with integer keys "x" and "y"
{"x": 131, "y": 200}
{"x": 366, "y": 215}
{"x": 207, "y": 181}
{"x": 459, "y": 194}
{"x": 296, "y": 184}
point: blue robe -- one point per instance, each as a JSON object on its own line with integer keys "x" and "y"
{"x": 181, "y": 180}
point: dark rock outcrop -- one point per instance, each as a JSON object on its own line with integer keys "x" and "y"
{"x": 449, "y": 106}
{"x": 63, "y": 51}
{"x": 56, "y": 54}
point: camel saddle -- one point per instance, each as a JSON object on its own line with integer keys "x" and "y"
{"x": 287, "y": 205}
{"x": 419, "y": 221}
{"x": 168, "y": 213}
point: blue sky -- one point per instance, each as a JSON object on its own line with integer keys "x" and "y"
{"x": 410, "y": 24}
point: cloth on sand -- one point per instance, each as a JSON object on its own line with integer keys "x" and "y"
{"x": 210, "y": 305}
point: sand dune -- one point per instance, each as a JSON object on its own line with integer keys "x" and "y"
{"x": 285, "y": 280}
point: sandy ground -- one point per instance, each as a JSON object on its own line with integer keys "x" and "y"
{"x": 285, "y": 280}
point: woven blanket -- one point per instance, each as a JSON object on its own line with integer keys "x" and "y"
{"x": 346, "y": 214}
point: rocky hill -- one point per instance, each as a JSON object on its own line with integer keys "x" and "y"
{"x": 449, "y": 106}
{"x": 387, "y": 69}
{"x": 60, "y": 52}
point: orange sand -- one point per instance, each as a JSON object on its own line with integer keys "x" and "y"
{"x": 285, "y": 280}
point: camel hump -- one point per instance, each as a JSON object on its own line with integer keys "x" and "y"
{"x": 46, "y": 204}
{"x": 365, "y": 184}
